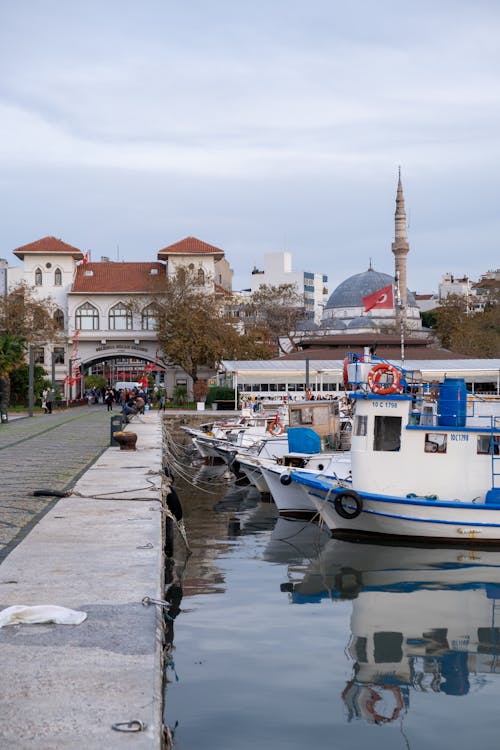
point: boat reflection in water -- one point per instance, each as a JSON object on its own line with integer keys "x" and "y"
{"x": 423, "y": 619}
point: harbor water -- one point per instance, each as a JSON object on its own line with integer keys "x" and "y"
{"x": 280, "y": 637}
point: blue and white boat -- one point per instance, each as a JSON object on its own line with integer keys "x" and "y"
{"x": 424, "y": 459}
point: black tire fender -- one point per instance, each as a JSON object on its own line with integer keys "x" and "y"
{"x": 351, "y": 497}
{"x": 285, "y": 479}
{"x": 174, "y": 504}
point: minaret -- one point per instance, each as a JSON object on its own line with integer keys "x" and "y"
{"x": 400, "y": 247}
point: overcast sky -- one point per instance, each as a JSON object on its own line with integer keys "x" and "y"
{"x": 257, "y": 127}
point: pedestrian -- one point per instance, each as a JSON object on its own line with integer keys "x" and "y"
{"x": 163, "y": 401}
{"x": 48, "y": 400}
{"x": 44, "y": 400}
{"x": 108, "y": 398}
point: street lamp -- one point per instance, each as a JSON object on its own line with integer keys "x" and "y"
{"x": 31, "y": 379}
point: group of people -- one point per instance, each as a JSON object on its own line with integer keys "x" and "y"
{"x": 134, "y": 402}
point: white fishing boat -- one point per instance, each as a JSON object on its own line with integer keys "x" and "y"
{"x": 317, "y": 439}
{"x": 424, "y": 459}
{"x": 287, "y": 495}
{"x": 243, "y": 431}
{"x": 244, "y": 444}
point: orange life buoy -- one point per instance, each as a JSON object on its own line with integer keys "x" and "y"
{"x": 276, "y": 428}
{"x": 384, "y": 388}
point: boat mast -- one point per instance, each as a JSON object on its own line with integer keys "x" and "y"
{"x": 400, "y": 248}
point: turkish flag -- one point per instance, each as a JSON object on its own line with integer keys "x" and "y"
{"x": 382, "y": 299}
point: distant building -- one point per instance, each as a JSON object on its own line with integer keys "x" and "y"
{"x": 451, "y": 285}
{"x": 478, "y": 293}
{"x": 311, "y": 286}
{"x": 101, "y": 333}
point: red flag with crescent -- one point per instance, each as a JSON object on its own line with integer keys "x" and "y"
{"x": 382, "y": 299}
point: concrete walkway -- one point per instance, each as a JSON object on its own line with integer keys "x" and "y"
{"x": 99, "y": 551}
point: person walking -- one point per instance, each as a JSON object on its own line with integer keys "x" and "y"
{"x": 109, "y": 398}
{"x": 44, "y": 400}
{"x": 48, "y": 400}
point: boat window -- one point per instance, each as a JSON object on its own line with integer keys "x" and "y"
{"x": 360, "y": 425}
{"x": 435, "y": 442}
{"x": 484, "y": 444}
{"x": 387, "y": 434}
{"x": 306, "y": 415}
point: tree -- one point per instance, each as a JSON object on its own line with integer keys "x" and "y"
{"x": 12, "y": 350}
{"x": 192, "y": 329}
{"x": 23, "y": 314}
{"x": 473, "y": 333}
{"x": 19, "y": 384}
{"x": 277, "y": 309}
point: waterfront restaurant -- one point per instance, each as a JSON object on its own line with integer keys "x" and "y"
{"x": 324, "y": 377}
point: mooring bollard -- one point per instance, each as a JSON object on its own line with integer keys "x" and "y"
{"x": 126, "y": 440}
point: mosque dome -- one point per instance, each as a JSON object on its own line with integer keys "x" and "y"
{"x": 334, "y": 324}
{"x": 350, "y": 292}
{"x": 361, "y": 322}
{"x": 307, "y": 324}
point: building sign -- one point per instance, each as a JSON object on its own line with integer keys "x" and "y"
{"x": 135, "y": 347}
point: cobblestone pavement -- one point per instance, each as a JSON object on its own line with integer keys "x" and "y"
{"x": 45, "y": 452}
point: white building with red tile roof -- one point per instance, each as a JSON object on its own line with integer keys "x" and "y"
{"x": 107, "y": 306}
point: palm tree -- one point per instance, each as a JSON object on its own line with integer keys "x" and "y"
{"x": 12, "y": 350}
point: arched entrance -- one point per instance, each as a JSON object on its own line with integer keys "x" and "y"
{"x": 117, "y": 371}
{"x": 122, "y": 368}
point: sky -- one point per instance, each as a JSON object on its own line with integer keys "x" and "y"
{"x": 257, "y": 127}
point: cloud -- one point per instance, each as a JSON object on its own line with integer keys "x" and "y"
{"x": 252, "y": 124}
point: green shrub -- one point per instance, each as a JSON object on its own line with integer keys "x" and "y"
{"x": 180, "y": 395}
{"x": 219, "y": 393}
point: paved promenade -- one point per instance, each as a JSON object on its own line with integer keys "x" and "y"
{"x": 98, "y": 551}
{"x": 44, "y": 451}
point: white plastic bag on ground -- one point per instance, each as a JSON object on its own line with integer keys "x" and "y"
{"x": 19, "y": 613}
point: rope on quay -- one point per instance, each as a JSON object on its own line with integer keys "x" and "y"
{"x": 51, "y": 493}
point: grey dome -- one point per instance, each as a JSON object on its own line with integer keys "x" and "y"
{"x": 361, "y": 322}
{"x": 306, "y": 324}
{"x": 350, "y": 292}
{"x": 335, "y": 324}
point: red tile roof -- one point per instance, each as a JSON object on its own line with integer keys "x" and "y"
{"x": 116, "y": 278}
{"x": 190, "y": 246}
{"x": 48, "y": 245}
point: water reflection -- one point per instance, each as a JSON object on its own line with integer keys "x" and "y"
{"x": 295, "y": 542}
{"x": 391, "y": 647}
{"x": 423, "y": 619}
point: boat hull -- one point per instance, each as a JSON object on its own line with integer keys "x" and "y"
{"x": 406, "y": 517}
{"x": 289, "y": 499}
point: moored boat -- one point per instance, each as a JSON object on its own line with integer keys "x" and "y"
{"x": 424, "y": 459}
